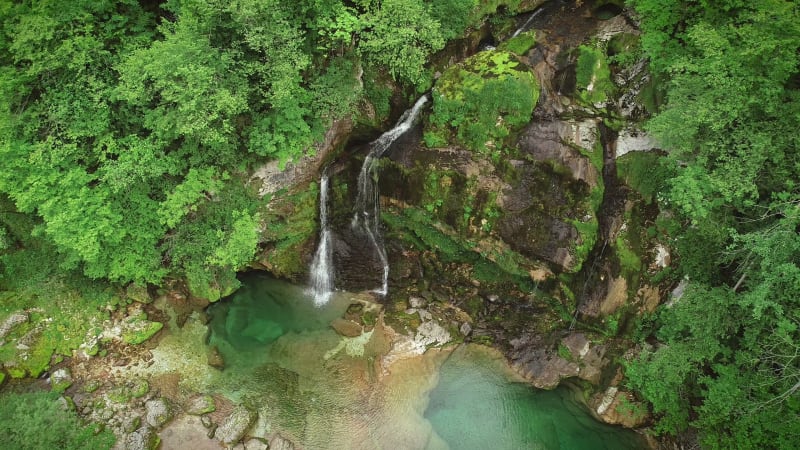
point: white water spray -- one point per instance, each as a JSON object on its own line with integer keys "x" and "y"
{"x": 367, "y": 210}
{"x": 322, "y": 265}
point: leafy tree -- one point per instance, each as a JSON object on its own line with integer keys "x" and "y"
{"x": 401, "y": 34}
{"x": 726, "y": 360}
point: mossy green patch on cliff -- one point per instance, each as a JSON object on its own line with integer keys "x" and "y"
{"x": 482, "y": 101}
{"x": 291, "y": 225}
{"x": 519, "y": 45}
{"x": 593, "y": 75}
{"x": 492, "y": 261}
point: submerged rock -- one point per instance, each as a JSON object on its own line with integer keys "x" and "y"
{"x": 346, "y": 328}
{"x": 215, "y": 358}
{"x": 280, "y": 443}
{"x": 235, "y": 426}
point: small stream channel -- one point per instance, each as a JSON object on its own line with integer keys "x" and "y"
{"x": 279, "y": 353}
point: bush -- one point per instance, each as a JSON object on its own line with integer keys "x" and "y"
{"x": 37, "y": 421}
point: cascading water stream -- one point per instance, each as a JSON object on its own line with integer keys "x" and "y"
{"x": 322, "y": 265}
{"x": 366, "y": 218}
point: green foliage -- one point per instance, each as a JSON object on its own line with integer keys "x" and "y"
{"x": 400, "y": 35}
{"x": 36, "y": 420}
{"x": 646, "y": 172}
{"x": 483, "y": 100}
{"x": 727, "y": 366}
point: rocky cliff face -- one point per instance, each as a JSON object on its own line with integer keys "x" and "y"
{"x": 508, "y": 201}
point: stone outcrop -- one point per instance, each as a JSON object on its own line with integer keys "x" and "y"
{"x": 235, "y": 426}
{"x": 545, "y": 367}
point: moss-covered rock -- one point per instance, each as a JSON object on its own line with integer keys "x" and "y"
{"x": 138, "y": 331}
{"x": 593, "y": 76}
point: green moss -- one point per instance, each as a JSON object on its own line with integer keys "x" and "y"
{"x": 211, "y": 284}
{"x": 2, "y": 378}
{"x": 60, "y": 386}
{"x": 63, "y": 314}
{"x": 119, "y": 394}
{"x": 483, "y": 100}
{"x": 38, "y": 421}
{"x": 141, "y": 331}
{"x": 564, "y": 352}
{"x": 587, "y": 237}
{"x": 140, "y": 389}
{"x": 91, "y": 386}
{"x": 628, "y": 259}
{"x": 291, "y": 225}
{"x": 593, "y": 76}
{"x": 519, "y": 45}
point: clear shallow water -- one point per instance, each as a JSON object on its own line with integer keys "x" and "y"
{"x": 275, "y": 342}
{"x": 477, "y": 405}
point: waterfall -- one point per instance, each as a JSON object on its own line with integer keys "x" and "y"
{"x": 322, "y": 265}
{"x": 366, "y": 218}
{"x": 527, "y": 23}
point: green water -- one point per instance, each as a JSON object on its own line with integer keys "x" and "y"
{"x": 277, "y": 349}
{"x": 476, "y": 406}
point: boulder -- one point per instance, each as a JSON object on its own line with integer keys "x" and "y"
{"x": 346, "y": 328}
{"x": 215, "y": 358}
{"x": 235, "y": 425}
{"x": 158, "y": 412}
{"x": 144, "y": 438}
{"x": 61, "y": 379}
{"x": 200, "y": 404}
{"x": 618, "y": 407}
{"x": 280, "y": 443}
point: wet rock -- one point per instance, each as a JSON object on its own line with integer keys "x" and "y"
{"x": 617, "y": 296}
{"x": 215, "y": 358}
{"x": 157, "y": 412}
{"x": 555, "y": 140}
{"x": 618, "y": 407}
{"x": 346, "y": 328}
{"x": 235, "y": 426}
{"x": 200, "y": 404}
{"x": 417, "y": 302}
{"x": 206, "y": 421}
{"x": 465, "y": 329}
{"x": 544, "y": 369}
{"x": 61, "y": 379}
{"x": 633, "y": 140}
{"x": 431, "y": 333}
{"x": 144, "y": 438}
{"x": 280, "y": 443}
